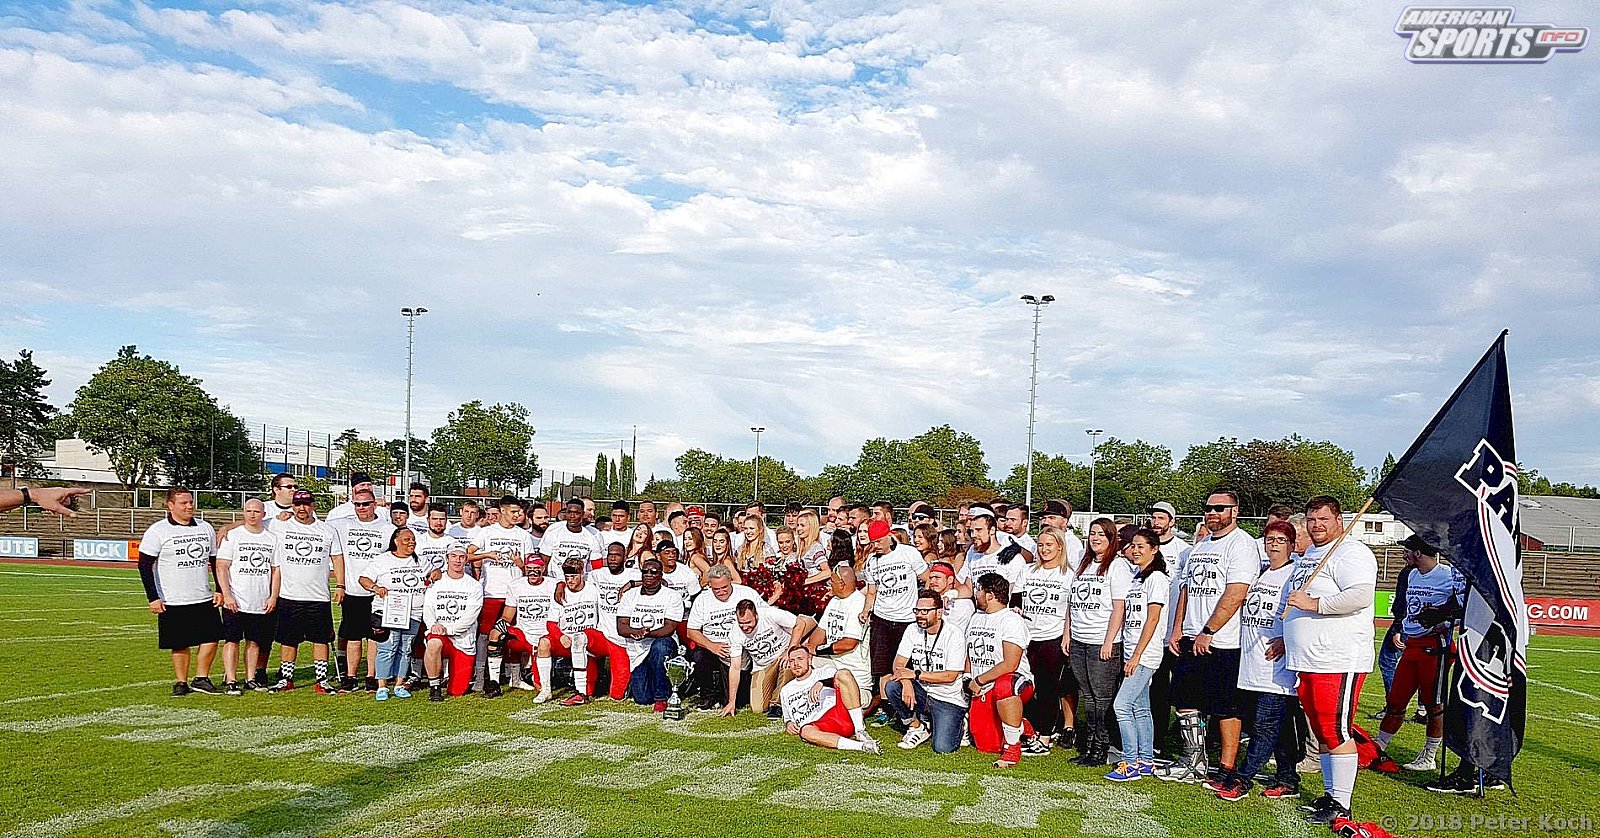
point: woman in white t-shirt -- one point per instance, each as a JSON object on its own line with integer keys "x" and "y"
{"x": 1093, "y": 641}
{"x": 1046, "y": 591}
{"x": 1142, "y": 605}
{"x": 398, "y": 571}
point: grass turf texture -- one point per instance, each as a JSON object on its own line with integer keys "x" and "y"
{"x": 75, "y": 642}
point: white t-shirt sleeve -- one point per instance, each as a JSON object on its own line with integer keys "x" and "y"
{"x": 1244, "y": 562}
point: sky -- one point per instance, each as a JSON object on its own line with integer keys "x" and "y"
{"x": 1256, "y": 218}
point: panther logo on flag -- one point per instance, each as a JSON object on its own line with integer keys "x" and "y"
{"x": 1488, "y": 652}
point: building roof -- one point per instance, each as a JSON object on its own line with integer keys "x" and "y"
{"x": 1560, "y": 521}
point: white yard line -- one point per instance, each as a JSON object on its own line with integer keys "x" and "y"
{"x": 53, "y": 696}
{"x": 1567, "y": 690}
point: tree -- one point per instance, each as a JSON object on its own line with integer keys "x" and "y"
{"x": 1130, "y": 476}
{"x": 602, "y": 475}
{"x": 421, "y": 454}
{"x": 493, "y": 445}
{"x": 614, "y": 483}
{"x": 958, "y": 455}
{"x": 710, "y": 478}
{"x": 1531, "y": 482}
{"x": 150, "y": 418}
{"x": 1054, "y": 476}
{"x": 890, "y": 470}
{"x": 1200, "y": 471}
{"x": 369, "y": 455}
{"x": 25, "y": 416}
{"x": 628, "y": 475}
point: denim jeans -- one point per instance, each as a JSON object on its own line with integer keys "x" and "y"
{"x": 1097, "y": 686}
{"x": 1132, "y": 707}
{"x": 394, "y": 652}
{"x": 1276, "y": 735}
{"x": 649, "y": 683}
{"x": 1389, "y": 656}
{"x": 943, "y": 719}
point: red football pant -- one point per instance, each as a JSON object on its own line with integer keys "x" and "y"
{"x": 983, "y": 716}
{"x": 1416, "y": 674}
{"x": 460, "y": 665}
{"x": 1329, "y": 699}
{"x": 616, "y": 658}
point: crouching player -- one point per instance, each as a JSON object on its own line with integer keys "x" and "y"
{"x": 523, "y": 630}
{"x": 450, "y": 610}
{"x": 1000, "y": 678}
{"x": 822, "y": 705}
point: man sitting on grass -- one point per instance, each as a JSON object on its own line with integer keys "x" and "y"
{"x": 822, "y": 705}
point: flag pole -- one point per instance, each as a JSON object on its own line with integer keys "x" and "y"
{"x": 1324, "y": 563}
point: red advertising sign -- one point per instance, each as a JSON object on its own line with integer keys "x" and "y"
{"x": 1576, "y": 613}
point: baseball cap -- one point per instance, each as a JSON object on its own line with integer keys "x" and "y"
{"x": 359, "y": 477}
{"x": 1163, "y": 506}
{"x": 1055, "y": 507}
{"x": 398, "y": 506}
{"x": 976, "y": 510}
{"x": 538, "y": 558}
{"x": 1415, "y": 542}
{"x": 666, "y": 544}
{"x": 301, "y": 496}
{"x": 695, "y": 510}
{"x": 943, "y": 567}
{"x": 1125, "y": 535}
{"x": 877, "y": 530}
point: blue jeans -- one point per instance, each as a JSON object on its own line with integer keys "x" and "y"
{"x": 942, "y": 718}
{"x": 649, "y": 683}
{"x": 1275, "y": 734}
{"x": 1389, "y": 656}
{"x": 1132, "y": 706}
{"x": 393, "y": 653}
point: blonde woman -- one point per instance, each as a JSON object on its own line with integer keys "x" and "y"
{"x": 756, "y": 567}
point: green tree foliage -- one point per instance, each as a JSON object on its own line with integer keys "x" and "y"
{"x": 1531, "y": 482}
{"x": 707, "y": 477}
{"x": 26, "y": 418}
{"x": 894, "y": 470}
{"x": 370, "y": 455}
{"x": 958, "y": 455}
{"x": 149, "y": 417}
{"x": 602, "y": 477}
{"x": 421, "y": 454}
{"x": 1130, "y": 476}
{"x": 492, "y": 445}
{"x": 628, "y": 478}
{"x": 1054, "y": 476}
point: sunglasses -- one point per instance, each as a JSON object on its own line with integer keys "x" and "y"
{"x": 922, "y": 610}
{"x": 366, "y": 505}
{"x": 1218, "y": 507}
{"x": 289, "y": 486}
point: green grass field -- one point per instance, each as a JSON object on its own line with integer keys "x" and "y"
{"x": 93, "y": 743}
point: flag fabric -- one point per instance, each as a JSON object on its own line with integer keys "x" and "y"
{"x": 1457, "y": 488}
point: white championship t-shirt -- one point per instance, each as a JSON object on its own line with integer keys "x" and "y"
{"x": 1331, "y": 643}
{"x": 1140, "y": 595}
{"x": 305, "y": 558}
{"x": 761, "y": 647}
{"x": 434, "y": 550}
{"x": 251, "y": 556}
{"x": 987, "y": 635}
{"x": 397, "y": 576}
{"x": 580, "y": 610}
{"x": 361, "y": 542}
{"x": 1213, "y": 565}
{"x": 895, "y": 574}
{"x": 455, "y": 604}
{"x": 1045, "y": 595}
{"x": 795, "y": 697}
{"x": 561, "y": 543}
{"x": 714, "y": 618}
{"x": 183, "y": 560}
{"x": 501, "y": 547}
{"x": 1258, "y": 625}
{"x": 1092, "y": 595}
{"x": 1175, "y": 552}
{"x": 977, "y": 564}
{"x": 841, "y": 620}
{"x": 610, "y": 585}
{"x": 648, "y": 612}
{"x": 943, "y": 651}
{"x": 1436, "y": 587}
{"x": 535, "y": 605}
{"x": 683, "y": 579}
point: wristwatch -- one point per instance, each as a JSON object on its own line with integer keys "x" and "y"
{"x": 27, "y": 499}
{"x": 1208, "y": 631}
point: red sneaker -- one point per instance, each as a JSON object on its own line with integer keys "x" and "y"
{"x": 1010, "y": 755}
{"x": 1233, "y": 791}
{"x": 1277, "y": 791}
{"x": 659, "y": 707}
{"x": 575, "y": 700}
{"x": 1383, "y": 764}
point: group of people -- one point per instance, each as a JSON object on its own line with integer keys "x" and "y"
{"x": 1015, "y": 640}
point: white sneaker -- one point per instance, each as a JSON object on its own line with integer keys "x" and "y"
{"x": 870, "y": 745}
{"x": 542, "y": 697}
{"x": 914, "y": 737}
{"x": 1423, "y": 763}
{"x": 524, "y": 685}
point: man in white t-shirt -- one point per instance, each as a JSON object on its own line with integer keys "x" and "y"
{"x": 363, "y": 536}
{"x": 988, "y": 551}
{"x": 451, "y": 609}
{"x": 647, "y": 621}
{"x": 893, "y": 573}
{"x": 572, "y": 540}
{"x": 610, "y": 580}
{"x": 1434, "y": 592}
{"x": 417, "y": 499}
{"x": 247, "y": 574}
{"x": 435, "y": 544}
{"x": 819, "y": 710}
{"x": 1163, "y": 517}
{"x": 711, "y": 625}
{"x": 462, "y": 530}
{"x": 308, "y": 549}
{"x": 1205, "y": 636}
{"x": 175, "y": 556}
{"x": 958, "y": 609}
{"x": 924, "y": 688}
{"x": 762, "y": 636}
{"x": 839, "y": 637}
{"x": 499, "y": 551}
{"x": 523, "y": 628}
{"x": 1327, "y": 642}
{"x": 1000, "y": 679}
{"x": 359, "y": 482}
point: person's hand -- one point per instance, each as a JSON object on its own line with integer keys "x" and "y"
{"x": 1129, "y": 667}
{"x": 380, "y": 591}
{"x": 216, "y": 599}
{"x": 566, "y": 642}
{"x": 718, "y": 649}
{"x": 272, "y": 604}
{"x": 1303, "y": 601}
{"x": 865, "y": 616}
{"x": 1274, "y": 648}
{"x": 1400, "y": 641}
{"x": 1066, "y": 644}
{"x": 1202, "y": 644}
{"x": 791, "y": 728}
{"x": 338, "y": 595}
{"x": 1105, "y": 651}
{"x": 1173, "y": 641}
{"x": 230, "y": 603}
{"x": 438, "y": 628}
{"x": 816, "y": 692}
{"x": 55, "y": 499}
{"x": 901, "y": 673}
{"x": 157, "y": 606}
{"x": 727, "y": 711}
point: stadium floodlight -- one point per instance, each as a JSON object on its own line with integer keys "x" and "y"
{"x": 1038, "y": 304}
{"x": 410, "y": 314}
{"x": 758, "y": 431}
{"x": 1094, "y": 438}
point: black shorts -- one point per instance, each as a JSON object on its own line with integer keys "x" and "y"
{"x": 242, "y": 627}
{"x": 355, "y": 618}
{"x": 304, "y": 622}
{"x": 885, "y": 641}
{"x": 1208, "y": 683}
{"x": 183, "y": 626}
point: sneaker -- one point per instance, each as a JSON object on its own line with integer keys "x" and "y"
{"x": 870, "y": 745}
{"x": 1428, "y": 763}
{"x": 1123, "y": 773}
{"x": 347, "y": 685}
{"x": 401, "y": 692}
{"x": 575, "y": 700}
{"x": 658, "y": 707}
{"x": 436, "y": 693}
{"x": 382, "y": 694}
{"x": 1037, "y": 746}
{"x": 525, "y": 685}
{"x": 491, "y": 689}
{"x": 1236, "y": 790}
{"x": 878, "y": 719}
{"x": 1383, "y": 764}
{"x": 914, "y": 738}
{"x": 371, "y": 685}
{"x": 1320, "y": 803}
{"x": 1146, "y": 769}
{"x": 284, "y": 685}
{"x": 180, "y": 689}
{"x": 1420, "y": 717}
{"x": 1328, "y": 813}
{"x": 966, "y": 738}
{"x": 1217, "y": 780}
{"x": 1181, "y": 772}
{"x": 774, "y": 712}
{"x": 1377, "y": 715}
{"x": 1066, "y": 738}
{"x": 255, "y": 686}
{"x": 1278, "y": 791}
{"x": 203, "y": 684}
{"x": 324, "y": 688}
{"x": 232, "y": 688}
{"x": 1010, "y": 755}
{"x": 544, "y": 695}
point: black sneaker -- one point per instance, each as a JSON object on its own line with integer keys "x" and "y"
{"x": 371, "y": 685}
{"x": 203, "y": 684}
{"x": 232, "y": 688}
{"x": 436, "y": 693}
{"x": 1314, "y": 805}
{"x": 491, "y": 689}
{"x": 1329, "y": 813}
{"x": 180, "y": 689}
{"x": 347, "y": 685}
{"x": 774, "y": 712}
{"x": 255, "y": 686}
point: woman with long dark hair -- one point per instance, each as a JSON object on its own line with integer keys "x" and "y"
{"x": 1092, "y": 640}
{"x": 399, "y": 571}
{"x": 1143, "y": 604}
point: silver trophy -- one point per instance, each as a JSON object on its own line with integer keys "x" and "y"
{"x": 679, "y": 668}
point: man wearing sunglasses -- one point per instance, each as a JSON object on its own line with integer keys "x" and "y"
{"x": 647, "y": 621}
{"x": 359, "y": 482}
{"x": 839, "y": 638}
{"x": 1217, "y": 575}
{"x": 363, "y": 536}
{"x": 576, "y": 624}
{"x": 924, "y": 689}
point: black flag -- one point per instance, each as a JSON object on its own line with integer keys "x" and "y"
{"x": 1457, "y": 488}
